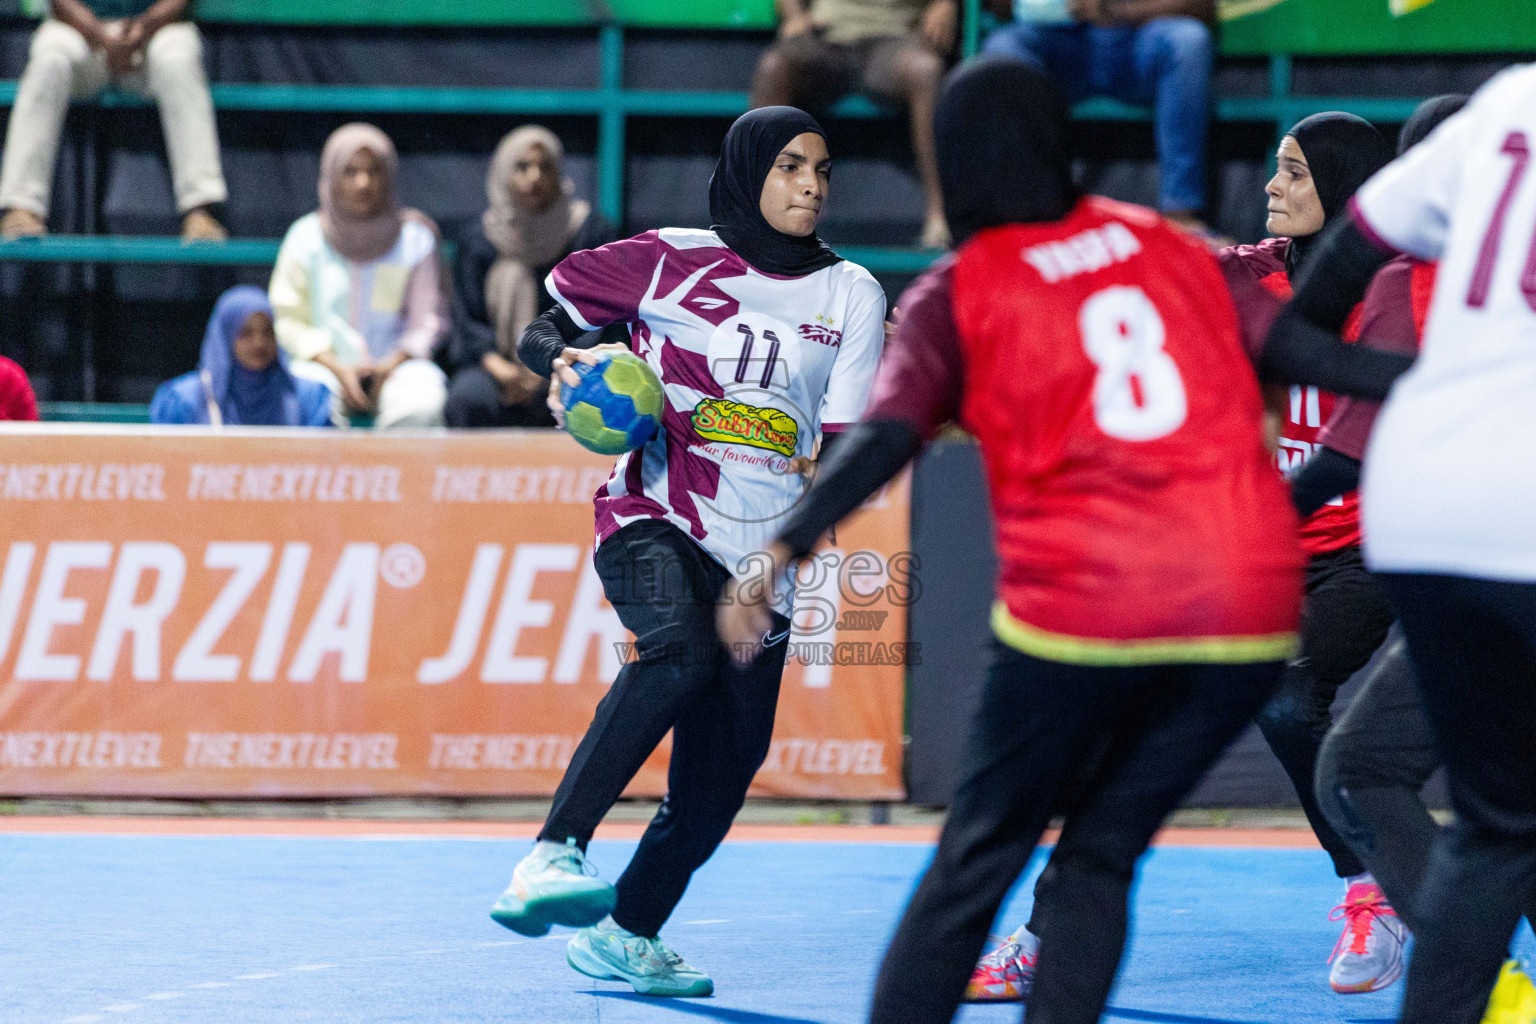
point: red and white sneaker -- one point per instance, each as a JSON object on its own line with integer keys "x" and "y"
{"x": 1006, "y": 974}
{"x": 1369, "y": 955}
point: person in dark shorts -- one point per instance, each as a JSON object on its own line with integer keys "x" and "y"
{"x": 887, "y": 49}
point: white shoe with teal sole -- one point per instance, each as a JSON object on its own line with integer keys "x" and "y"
{"x": 551, "y": 886}
{"x": 609, "y": 953}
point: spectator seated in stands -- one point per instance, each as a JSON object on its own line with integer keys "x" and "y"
{"x": 358, "y": 290}
{"x": 534, "y": 221}
{"x": 889, "y": 49}
{"x": 17, "y": 402}
{"x": 144, "y": 46}
{"x": 1156, "y": 53}
{"x": 242, "y": 378}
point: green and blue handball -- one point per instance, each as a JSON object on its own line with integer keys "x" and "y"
{"x": 617, "y": 406}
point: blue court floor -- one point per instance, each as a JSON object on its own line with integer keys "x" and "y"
{"x": 148, "y": 929}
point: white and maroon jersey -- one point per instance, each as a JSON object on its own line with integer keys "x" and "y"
{"x": 1450, "y": 475}
{"x": 754, "y": 367}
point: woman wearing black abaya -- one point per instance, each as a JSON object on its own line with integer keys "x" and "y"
{"x": 714, "y": 313}
{"x": 1321, "y": 162}
{"x": 533, "y": 221}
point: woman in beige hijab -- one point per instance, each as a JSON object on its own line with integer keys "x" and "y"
{"x": 533, "y": 222}
{"x": 357, "y": 291}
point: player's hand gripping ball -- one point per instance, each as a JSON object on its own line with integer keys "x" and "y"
{"x": 617, "y": 406}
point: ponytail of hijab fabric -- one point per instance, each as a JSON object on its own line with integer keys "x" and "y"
{"x": 1426, "y": 117}
{"x": 736, "y": 190}
{"x": 1003, "y": 132}
{"x": 1342, "y": 153}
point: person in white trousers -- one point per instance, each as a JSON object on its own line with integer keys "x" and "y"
{"x": 142, "y": 46}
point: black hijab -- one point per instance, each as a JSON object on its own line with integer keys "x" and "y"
{"x": 736, "y": 192}
{"x": 1003, "y": 134}
{"x": 1426, "y": 117}
{"x": 1342, "y": 152}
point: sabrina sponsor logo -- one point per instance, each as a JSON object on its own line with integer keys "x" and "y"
{"x": 720, "y": 419}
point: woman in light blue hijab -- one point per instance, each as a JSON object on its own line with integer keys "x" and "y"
{"x": 242, "y": 378}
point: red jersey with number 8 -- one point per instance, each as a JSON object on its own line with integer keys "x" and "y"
{"x": 1139, "y": 517}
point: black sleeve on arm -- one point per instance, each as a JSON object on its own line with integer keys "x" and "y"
{"x": 868, "y": 455}
{"x": 1335, "y": 279}
{"x": 1326, "y": 475}
{"x": 829, "y": 443}
{"x": 545, "y": 338}
{"x": 1303, "y": 345}
{"x": 473, "y": 335}
{"x": 1300, "y": 352}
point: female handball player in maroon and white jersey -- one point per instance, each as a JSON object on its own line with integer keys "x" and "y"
{"x": 1150, "y": 574}
{"x": 764, "y": 341}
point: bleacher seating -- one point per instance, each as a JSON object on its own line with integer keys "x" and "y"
{"x": 610, "y": 102}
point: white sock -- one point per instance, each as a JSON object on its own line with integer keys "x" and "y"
{"x": 549, "y": 848}
{"x": 608, "y": 924}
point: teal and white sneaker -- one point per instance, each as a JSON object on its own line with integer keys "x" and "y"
{"x": 552, "y": 886}
{"x": 609, "y": 953}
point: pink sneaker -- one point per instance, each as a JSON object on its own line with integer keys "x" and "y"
{"x": 1005, "y": 974}
{"x": 1369, "y": 955}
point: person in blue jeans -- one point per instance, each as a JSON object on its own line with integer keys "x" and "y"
{"x": 1154, "y": 53}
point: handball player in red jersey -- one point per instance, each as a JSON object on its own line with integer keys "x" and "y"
{"x": 1346, "y": 615}
{"x": 1150, "y": 574}
{"x": 1448, "y": 497}
{"x": 1379, "y": 752}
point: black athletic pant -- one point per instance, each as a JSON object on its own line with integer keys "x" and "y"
{"x": 1373, "y": 764}
{"x": 664, "y": 587}
{"x": 1473, "y": 645}
{"x": 1153, "y": 731}
{"x": 1344, "y": 619}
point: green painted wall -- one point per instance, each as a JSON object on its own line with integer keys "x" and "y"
{"x": 1254, "y": 27}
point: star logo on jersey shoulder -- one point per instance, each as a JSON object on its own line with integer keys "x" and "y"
{"x": 822, "y": 332}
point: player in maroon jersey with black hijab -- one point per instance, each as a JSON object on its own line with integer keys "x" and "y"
{"x": 1150, "y": 575}
{"x": 1320, "y": 163}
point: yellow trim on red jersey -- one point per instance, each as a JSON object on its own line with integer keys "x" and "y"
{"x": 1076, "y": 650}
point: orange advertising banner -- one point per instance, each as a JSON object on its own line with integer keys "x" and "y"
{"x": 255, "y": 613}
